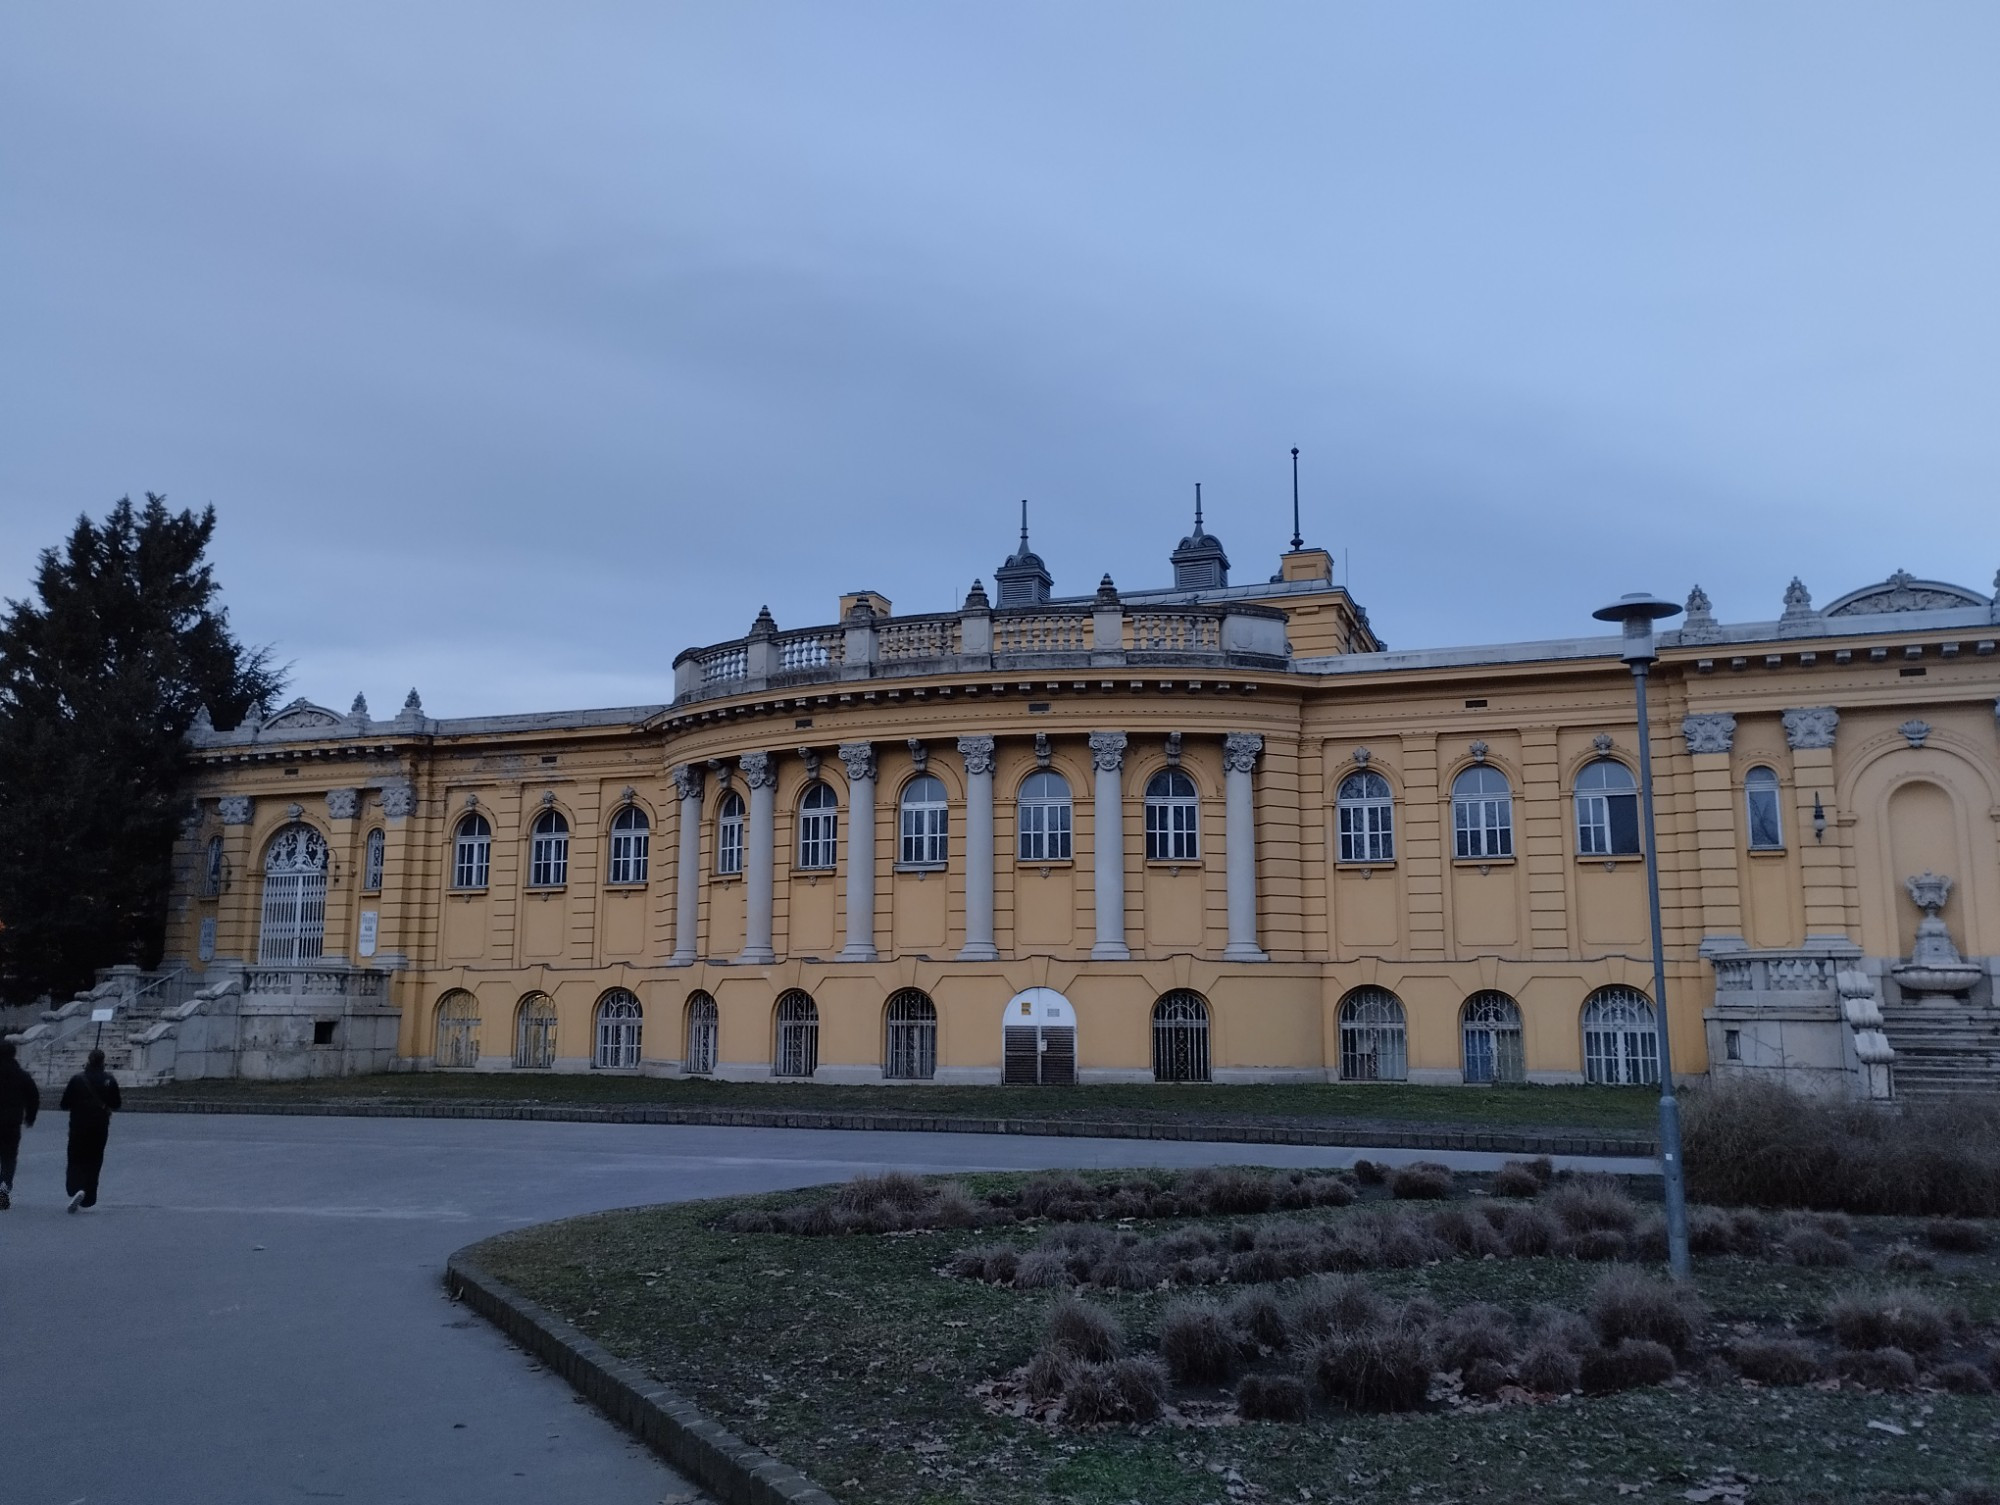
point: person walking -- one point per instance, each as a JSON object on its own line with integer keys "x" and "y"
{"x": 90, "y": 1099}
{"x": 20, "y": 1101}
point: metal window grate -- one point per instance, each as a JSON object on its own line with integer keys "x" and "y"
{"x": 702, "y": 1030}
{"x": 371, "y": 866}
{"x": 911, "y": 1020}
{"x": 457, "y": 1030}
{"x": 1180, "y": 1037}
{"x": 294, "y": 915}
{"x": 535, "y": 1033}
{"x": 1493, "y": 1047}
{"x": 619, "y": 1023}
{"x": 1374, "y": 1038}
{"x": 798, "y": 1035}
{"x": 1621, "y": 1044}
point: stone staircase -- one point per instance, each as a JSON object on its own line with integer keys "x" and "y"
{"x": 141, "y": 999}
{"x": 1944, "y": 1046}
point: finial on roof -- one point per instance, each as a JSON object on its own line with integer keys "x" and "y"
{"x": 1197, "y": 506}
{"x": 359, "y": 710}
{"x": 766, "y": 625}
{"x": 1298, "y": 539}
{"x": 413, "y": 701}
{"x": 1107, "y": 593}
{"x": 1023, "y": 580}
{"x": 1024, "y": 525}
{"x": 975, "y": 599}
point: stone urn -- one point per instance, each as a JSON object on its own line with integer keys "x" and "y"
{"x": 1935, "y": 968}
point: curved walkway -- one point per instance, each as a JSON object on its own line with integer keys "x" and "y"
{"x": 253, "y": 1313}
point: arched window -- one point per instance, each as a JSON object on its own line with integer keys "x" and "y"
{"x": 925, "y": 822}
{"x": 1482, "y": 814}
{"x": 703, "y": 1026}
{"x": 1038, "y": 1039}
{"x": 294, "y": 923}
{"x": 1367, "y": 819}
{"x": 819, "y": 827}
{"x": 619, "y": 1022}
{"x": 457, "y": 1030}
{"x": 1760, "y": 799}
{"x": 535, "y": 1033}
{"x": 1493, "y": 1049}
{"x": 1180, "y": 1037}
{"x": 211, "y": 868}
{"x": 1607, "y": 810}
{"x": 1173, "y": 814}
{"x": 912, "y": 1029}
{"x": 1044, "y": 816}
{"x": 1621, "y": 1043}
{"x": 548, "y": 851}
{"x": 798, "y": 1035}
{"x": 371, "y": 862}
{"x": 631, "y": 842}
{"x": 472, "y": 851}
{"x": 729, "y": 833}
{"x": 1374, "y": 1041}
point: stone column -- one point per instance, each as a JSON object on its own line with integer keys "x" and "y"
{"x": 759, "y": 857}
{"x": 1239, "y": 757}
{"x": 1107, "y": 814}
{"x": 860, "y": 760}
{"x": 687, "y": 879}
{"x": 978, "y": 755}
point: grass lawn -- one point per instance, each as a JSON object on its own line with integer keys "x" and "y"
{"x": 1618, "y": 1110}
{"x": 854, "y": 1358}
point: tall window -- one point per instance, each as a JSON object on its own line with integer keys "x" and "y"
{"x": 912, "y": 1037}
{"x": 798, "y": 1035}
{"x": 294, "y": 923}
{"x": 1493, "y": 1049}
{"x": 1173, "y": 815}
{"x": 1045, "y": 812}
{"x": 702, "y": 1029}
{"x": 1607, "y": 810}
{"x": 472, "y": 850}
{"x": 1760, "y": 799}
{"x": 1367, "y": 819}
{"x": 925, "y": 822}
{"x": 819, "y": 827}
{"x": 211, "y": 868}
{"x": 729, "y": 833}
{"x": 619, "y": 1022}
{"x": 631, "y": 838}
{"x": 1482, "y": 813}
{"x": 535, "y": 1033}
{"x": 1180, "y": 1037}
{"x": 457, "y": 1030}
{"x": 1374, "y": 1041}
{"x": 548, "y": 851}
{"x": 1621, "y": 1044}
{"x": 371, "y": 862}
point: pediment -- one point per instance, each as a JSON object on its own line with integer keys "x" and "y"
{"x": 1902, "y": 591}
{"x": 301, "y": 715}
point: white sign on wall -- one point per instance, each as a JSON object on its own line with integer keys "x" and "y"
{"x": 205, "y": 947}
{"x": 368, "y": 932}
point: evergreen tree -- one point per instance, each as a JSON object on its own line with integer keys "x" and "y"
{"x": 100, "y": 677}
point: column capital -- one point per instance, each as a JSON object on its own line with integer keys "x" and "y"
{"x": 1240, "y": 750}
{"x": 688, "y": 781}
{"x": 1709, "y": 731}
{"x": 977, "y": 751}
{"x": 235, "y": 809}
{"x": 1811, "y": 726}
{"x": 757, "y": 770}
{"x": 1107, "y": 751}
{"x": 860, "y": 760}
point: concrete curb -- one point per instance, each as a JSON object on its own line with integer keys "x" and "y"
{"x": 1360, "y": 1136}
{"x": 701, "y": 1448}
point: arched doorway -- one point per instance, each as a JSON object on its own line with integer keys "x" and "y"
{"x": 294, "y": 923}
{"x": 1180, "y": 1037}
{"x": 1038, "y": 1039}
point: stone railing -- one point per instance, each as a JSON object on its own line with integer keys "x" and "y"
{"x": 1805, "y": 971}
{"x": 1092, "y": 634}
{"x": 314, "y": 982}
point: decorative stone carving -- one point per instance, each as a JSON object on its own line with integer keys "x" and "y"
{"x": 1602, "y": 742}
{"x": 977, "y": 751}
{"x": 1362, "y": 756}
{"x": 1479, "y": 750}
{"x": 1929, "y": 892}
{"x": 976, "y": 599}
{"x": 688, "y": 781}
{"x": 472, "y": 802}
{"x": 1043, "y": 754}
{"x": 295, "y": 811}
{"x": 1239, "y": 751}
{"x": 628, "y": 795}
{"x": 548, "y": 799}
{"x": 810, "y": 757}
{"x": 1903, "y": 591}
{"x": 1811, "y": 726}
{"x": 398, "y": 799}
{"x": 413, "y": 703}
{"x": 300, "y": 715}
{"x": 358, "y": 712}
{"x": 203, "y": 723}
{"x": 1934, "y": 967}
{"x": 1799, "y": 618}
{"x": 1107, "y": 751}
{"x": 1709, "y": 732}
{"x": 1700, "y": 625}
{"x": 757, "y": 770}
{"x": 722, "y": 771}
{"x": 920, "y": 755}
{"x": 766, "y": 625}
{"x": 1107, "y": 593}
{"x": 859, "y": 757}
{"x": 1915, "y": 731}
{"x": 342, "y": 804}
{"x": 235, "y": 809}
{"x": 1173, "y": 749}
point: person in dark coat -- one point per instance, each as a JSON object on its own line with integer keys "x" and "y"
{"x": 20, "y": 1101}
{"x": 90, "y": 1099}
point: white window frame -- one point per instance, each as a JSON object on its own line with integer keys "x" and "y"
{"x": 620, "y": 1024}
{"x": 548, "y": 851}
{"x": 1494, "y": 1018}
{"x": 1482, "y": 819}
{"x": 1173, "y": 818}
{"x": 729, "y": 823}
{"x": 1365, "y": 810}
{"x": 631, "y": 846}
{"x": 374, "y": 853}
{"x": 1760, "y": 786}
{"x": 819, "y": 828}
{"x": 1621, "y": 1041}
{"x": 1374, "y": 1037}
{"x": 1596, "y": 830}
{"x": 924, "y": 821}
{"x": 1045, "y": 819}
{"x": 472, "y": 853}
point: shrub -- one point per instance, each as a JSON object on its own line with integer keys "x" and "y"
{"x": 1404, "y": 1246}
{"x": 1906, "y": 1257}
{"x": 1419, "y": 1314}
{"x": 1083, "y": 1331}
{"x": 1878, "y": 1368}
{"x": 1141, "y": 1387}
{"x": 1468, "y": 1232}
{"x": 1807, "y": 1244}
{"x": 1626, "y": 1304}
{"x": 1778, "y": 1361}
{"x": 1425, "y": 1181}
{"x": 1225, "y": 1192}
{"x": 1355, "y": 1246}
{"x": 1272, "y": 1397}
{"x": 1710, "y": 1231}
{"x": 1041, "y": 1268}
{"x": 1198, "y": 1345}
{"x": 1484, "y": 1377}
{"x": 1469, "y": 1335}
{"x": 1330, "y": 1191}
{"x": 1382, "y": 1369}
{"x": 897, "y": 1189}
{"x": 1563, "y": 1328}
{"x": 1549, "y": 1368}
{"x": 1040, "y": 1193}
{"x": 1530, "y": 1232}
{"x": 1585, "y": 1204}
{"x": 1632, "y": 1363}
{"x": 1956, "y": 1236}
{"x": 1901, "y": 1317}
{"x": 1089, "y": 1397}
{"x": 1599, "y": 1243}
{"x": 1335, "y": 1306}
{"x": 1962, "y": 1379}
{"x": 1048, "y": 1374}
{"x": 1259, "y": 1319}
{"x": 953, "y": 1207}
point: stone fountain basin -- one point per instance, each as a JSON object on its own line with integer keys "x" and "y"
{"x": 1916, "y": 978}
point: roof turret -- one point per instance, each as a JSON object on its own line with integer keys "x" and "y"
{"x": 1023, "y": 580}
{"x": 1200, "y": 563}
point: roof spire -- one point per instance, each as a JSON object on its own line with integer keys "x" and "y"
{"x": 1298, "y": 540}
{"x": 1197, "y": 506}
{"x": 1024, "y": 525}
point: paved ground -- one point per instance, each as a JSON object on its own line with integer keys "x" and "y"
{"x": 253, "y": 1313}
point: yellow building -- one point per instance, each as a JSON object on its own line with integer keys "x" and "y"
{"x": 1213, "y": 831}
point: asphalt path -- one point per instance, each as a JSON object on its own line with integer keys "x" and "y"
{"x": 253, "y": 1312}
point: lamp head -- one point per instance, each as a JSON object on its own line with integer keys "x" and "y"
{"x": 1637, "y": 612}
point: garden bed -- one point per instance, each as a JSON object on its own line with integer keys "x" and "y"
{"x": 883, "y": 1339}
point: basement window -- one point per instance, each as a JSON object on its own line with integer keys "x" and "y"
{"x": 323, "y": 1031}
{"x": 1917, "y": 673}
{"x": 1475, "y": 705}
{"x": 1732, "y": 1044}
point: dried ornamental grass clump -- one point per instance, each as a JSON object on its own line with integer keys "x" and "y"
{"x": 1592, "y": 1204}
{"x": 1273, "y": 1397}
{"x": 1381, "y": 1369}
{"x": 1878, "y": 1368}
{"x": 1198, "y": 1344}
{"x": 1258, "y": 1320}
{"x": 1901, "y": 1317}
{"x": 1632, "y": 1363}
{"x": 1549, "y": 1368}
{"x": 1778, "y": 1361}
{"x": 1425, "y": 1181}
{"x": 1626, "y": 1304}
{"x": 1962, "y": 1379}
{"x": 1480, "y": 1333}
{"x": 1523, "y": 1178}
{"x": 1957, "y": 1236}
{"x": 1082, "y": 1331}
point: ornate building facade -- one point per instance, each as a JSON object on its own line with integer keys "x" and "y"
{"x": 1215, "y": 831}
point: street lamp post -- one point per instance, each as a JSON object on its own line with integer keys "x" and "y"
{"x": 1637, "y": 613}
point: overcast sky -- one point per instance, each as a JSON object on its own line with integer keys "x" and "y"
{"x": 519, "y": 347}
